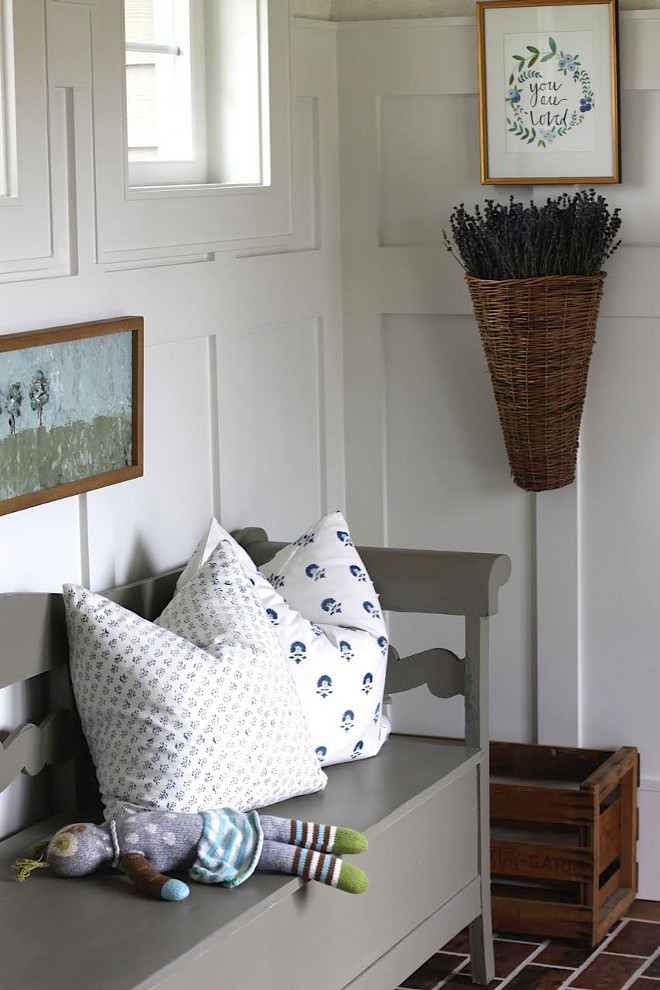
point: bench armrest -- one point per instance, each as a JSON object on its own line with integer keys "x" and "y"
{"x": 435, "y": 581}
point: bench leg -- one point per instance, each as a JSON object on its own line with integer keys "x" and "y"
{"x": 476, "y": 734}
{"x": 482, "y": 962}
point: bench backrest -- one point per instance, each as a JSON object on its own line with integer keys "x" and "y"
{"x": 33, "y": 652}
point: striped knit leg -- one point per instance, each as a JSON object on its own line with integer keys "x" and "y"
{"x": 310, "y": 835}
{"x": 312, "y": 865}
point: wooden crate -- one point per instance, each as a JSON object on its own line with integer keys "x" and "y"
{"x": 563, "y": 839}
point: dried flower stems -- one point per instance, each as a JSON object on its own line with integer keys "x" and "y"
{"x": 569, "y": 235}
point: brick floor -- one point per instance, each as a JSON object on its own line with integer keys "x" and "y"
{"x": 628, "y": 959}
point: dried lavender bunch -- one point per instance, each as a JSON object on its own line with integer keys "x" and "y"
{"x": 569, "y": 235}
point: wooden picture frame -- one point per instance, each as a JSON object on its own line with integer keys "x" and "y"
{"x": 71, "y": 410}
{"x": 548, "y": 91}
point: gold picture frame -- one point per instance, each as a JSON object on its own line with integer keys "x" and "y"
{"x": 71, "y": 410}
{"x": 548, "y": 91}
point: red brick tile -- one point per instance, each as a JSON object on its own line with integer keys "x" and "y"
{"x": 649, "y": 910}
{"x": 460, "y": 943}
{"x": 637, "y": 938}
{"x": 509, "y": 955}
{"x": 643, "y": 984}
{"x": 459, "y": 982}
{"x": 564, "y": 954}
{"x": 654, "y": 970}
{"x": 538, "y": 978}
{"x": 430, "y": 974}
{"x": 606, "y": 972}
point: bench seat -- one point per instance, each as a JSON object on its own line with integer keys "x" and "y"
{"x": 55, "y": 929}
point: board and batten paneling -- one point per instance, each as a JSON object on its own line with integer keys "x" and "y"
{"x": 443, "y": 454}
{"x": 426, "y": 465}
{"x": 272, "y": 416}
{"x": 574, "y": 657}
{"x": 206, "y": 315}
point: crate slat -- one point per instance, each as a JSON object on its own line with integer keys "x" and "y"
{"x": 609, "y": 829}
{"x": 538, "y": 861}
{"x": 540, "y": 805}
{"x": 613, "y": 909}
{"x": 544, "y": 762}
{"x": 556, "y": 920}
{"x": 606, "y": 777}
{"x": 609, "y": 888}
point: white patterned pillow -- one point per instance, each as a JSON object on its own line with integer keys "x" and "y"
{"x": 326, "y": 614}
{"x": 195, "y": 712}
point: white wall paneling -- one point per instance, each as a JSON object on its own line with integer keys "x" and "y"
{"x": 446, "y": 482}
{"x": 201, "y": 321}
{"x": 621, "y": 478}
{"x": 620, "y": 461}
{"x": 272, "y": 424}
{"x": 575, "y": 642}
{"x": 141, "y": 528}
{"x": 34, "y": 219}
{"x": 558, "y": 616}
{"x": 426, "y": 464}
{"x": 40, "y": 547}
{"x": 648, "y": 850}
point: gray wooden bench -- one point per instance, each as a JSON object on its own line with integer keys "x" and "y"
{"x": 423, "y": 803}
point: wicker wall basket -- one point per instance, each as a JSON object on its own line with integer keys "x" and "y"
{"x": 538, "y": 334}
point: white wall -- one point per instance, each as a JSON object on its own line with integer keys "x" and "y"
{"x": 575, "y": 644}
{"x": 243, "y": 345}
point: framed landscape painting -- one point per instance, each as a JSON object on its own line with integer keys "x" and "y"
{"x": 548, "y": 91}
{"x": 70, "y": 410}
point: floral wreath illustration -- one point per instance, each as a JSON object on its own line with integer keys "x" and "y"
{"x": 524, "y": 72}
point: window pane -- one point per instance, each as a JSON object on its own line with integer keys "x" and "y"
{"x": 140, "y": 20}
{"x": 158, "y": 83}
{"x": 141, "y": 102}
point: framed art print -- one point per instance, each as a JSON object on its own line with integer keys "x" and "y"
{"x": 548, "y": 91}
{"x": 70, "y": 410}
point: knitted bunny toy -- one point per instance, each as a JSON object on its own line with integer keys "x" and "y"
{"x": 220, "y": 846}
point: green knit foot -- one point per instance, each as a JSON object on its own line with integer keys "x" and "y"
{"x": 349, "y": 841}
{"x": 352, "y": 879}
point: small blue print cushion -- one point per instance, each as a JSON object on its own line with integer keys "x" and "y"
{"x": 197, "y": 711}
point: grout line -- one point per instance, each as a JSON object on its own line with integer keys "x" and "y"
{"x": 592, "y": 958}
{"x": 518, "y": 941}
{"x": 514, "y": 972}
{"x": 640, "y": 970}
{"x": 458, "y": 969}
{"x": 634, "y": 955}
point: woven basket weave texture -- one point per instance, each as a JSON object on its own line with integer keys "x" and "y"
{"x": 538, "y": 335}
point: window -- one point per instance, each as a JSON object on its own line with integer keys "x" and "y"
{"x": 164, "y": 119}
{"x": 195, "y": 100}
